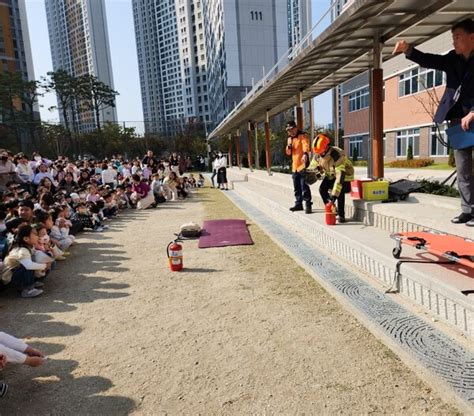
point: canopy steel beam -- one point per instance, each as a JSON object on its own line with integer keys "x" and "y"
{"x": 341, "y": 52}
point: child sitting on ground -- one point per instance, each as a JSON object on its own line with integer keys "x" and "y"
{"x": 42, "y": 252}
{"x": 19, "y": 268}
{"x": 200, "y": 182}
{"x": 60, "y": 230}
{"x": 46, "y": 220}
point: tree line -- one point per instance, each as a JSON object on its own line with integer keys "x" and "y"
{"x": 20, "y": 126}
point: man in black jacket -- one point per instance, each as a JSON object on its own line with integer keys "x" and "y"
{"x": 457, "y": 103}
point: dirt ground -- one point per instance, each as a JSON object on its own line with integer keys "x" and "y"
{"x": 243, "y": 330}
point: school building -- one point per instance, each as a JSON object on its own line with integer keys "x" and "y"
{"x": 411, "y": 96}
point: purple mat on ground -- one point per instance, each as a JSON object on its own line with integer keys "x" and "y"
{"x": 222, "y": 233}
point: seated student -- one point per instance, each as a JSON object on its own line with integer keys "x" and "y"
{"x": 42, "y": 252}
{"x": 83, "y": 215}
{"x": 46, "y": 220}
{"x": 71, "y": 202}
{"x": 94, "y": 210}
{"x": 15, "y": 351}
{"x": 121, "y": 198}
{"x": 170, "y": 184}
{"x": 142, "y": 194}
{"x": 110, "y": 207}
{"x": 157, "y": 189}
{"x": 46, "y": 201}
{"x": 25, "y": 210}
{"x": 68, "y": 183}
{"x": 19, "y": 268}
{"x": 60, "y": 229}
{"x": 12, "y": 208}
{"x": 92, "y": 194}
{"x": 47, "y": 184}
{"x": 338, "y": 173}
{"x": 201, "y": 180}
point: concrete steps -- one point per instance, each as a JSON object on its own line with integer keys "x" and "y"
{"x": 437, "y": 290}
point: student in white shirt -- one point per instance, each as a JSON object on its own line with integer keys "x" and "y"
{"x": 221, "y": 166}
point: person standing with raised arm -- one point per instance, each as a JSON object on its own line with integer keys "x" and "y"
{"x": 457, "y": 103}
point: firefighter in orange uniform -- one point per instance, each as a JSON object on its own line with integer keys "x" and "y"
{"x": 298, "y": 148}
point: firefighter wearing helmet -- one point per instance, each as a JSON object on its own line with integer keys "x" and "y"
{"x": 338, "y": 172}
{"x": 298, "y": 148}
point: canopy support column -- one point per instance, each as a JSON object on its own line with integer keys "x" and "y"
{"x": 230, "y": 151}
{"x": 267, "y": 143}
{"x": 376, "y": 112}
{"x": 237, "y": 148}
{"x": 299, "y": 111}
{"x": 249, "y": 145}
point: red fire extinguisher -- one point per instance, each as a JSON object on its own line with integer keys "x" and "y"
{"x": 175, "y": 256}
{"x": 331, "y": 211}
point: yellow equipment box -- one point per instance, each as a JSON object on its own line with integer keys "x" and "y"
{"x": 375, "y": 191}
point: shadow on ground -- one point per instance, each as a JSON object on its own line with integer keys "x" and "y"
{"x": 74, "y": 282}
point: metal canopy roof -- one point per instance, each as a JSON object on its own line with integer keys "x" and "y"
{"x": 344, "y": 50}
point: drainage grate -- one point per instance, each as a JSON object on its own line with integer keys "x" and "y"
{"x": 449, "y": 360}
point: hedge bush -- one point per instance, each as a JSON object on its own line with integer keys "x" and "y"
{"x": 436, "y": 188}
{"x": 413, "y": 163}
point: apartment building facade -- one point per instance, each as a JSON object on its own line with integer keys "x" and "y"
{"x": 411, "y": 95}
{"x": 199, "y": 58}
{"x": 80, "y": 46}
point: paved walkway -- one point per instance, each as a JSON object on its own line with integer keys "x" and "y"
{"x": 243, "y": 330}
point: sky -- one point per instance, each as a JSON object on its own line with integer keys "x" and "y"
{"x": 124, "y": 60}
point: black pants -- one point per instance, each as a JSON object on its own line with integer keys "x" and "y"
{"x": 326, "y": 186}
{"x": 302, "y": 191}
{"x": 214, "y": 174}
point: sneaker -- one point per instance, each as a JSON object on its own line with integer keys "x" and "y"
{"x": 38, "y": 285}
{"x": 341, "y": 220}
{"x": 462, "y": 219}
{"x": 3, "y": 389}
{"x": 470, "y": 223}
{"x": 296, "y": 208}
{"x": 105, "y": 227}
{"x": 60, "y": 258}
{"x": 31, "y": 293}
{"x": 98, "y": 229}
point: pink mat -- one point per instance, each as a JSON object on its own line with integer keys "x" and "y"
{"x": 222, "y": 233}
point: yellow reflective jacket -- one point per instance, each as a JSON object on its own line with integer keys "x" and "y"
{"x": 335, "y": 164}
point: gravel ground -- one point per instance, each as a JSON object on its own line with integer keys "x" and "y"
{"x": 243, "y": 330}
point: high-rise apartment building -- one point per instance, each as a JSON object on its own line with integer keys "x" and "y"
{"x": 299, "y": 20}
{"x": 198, "y": 58}
{"x": 80, "y": 46}
{"x": 15, "y": 49}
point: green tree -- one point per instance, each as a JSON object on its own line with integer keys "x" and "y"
{"x": 54, "y": 140}
{"x": 31, "y": 92}
{"x": 11, "y": 91}
{"x": 355, "y": 154}
{"x": 410, "y": 152}
{"x": 65, "y": 87}
{"x": 96, "y": 96}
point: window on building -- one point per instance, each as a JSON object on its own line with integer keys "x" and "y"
{"x": 437, "y": 148}
{"x": 355, "y": 143}
{"x": 359, "y": 99}
{"x": 406, "y": 138}
{"x": 419, "y": 79}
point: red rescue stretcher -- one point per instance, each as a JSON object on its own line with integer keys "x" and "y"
{"x": 451, "y": 248}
